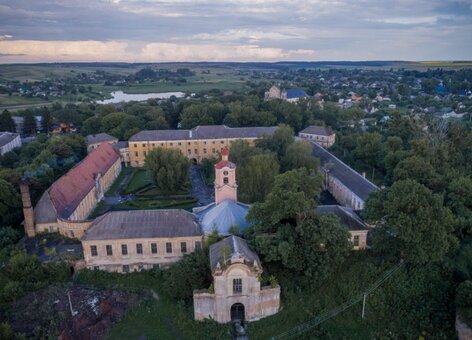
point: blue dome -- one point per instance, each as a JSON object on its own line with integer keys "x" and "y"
{"x": 223, "y": 216}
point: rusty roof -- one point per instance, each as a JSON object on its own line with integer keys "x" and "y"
{"x": 68, "y": 191}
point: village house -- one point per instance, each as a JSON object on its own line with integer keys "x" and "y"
{"x": 324, "y": 136}
{"x": 289, "y": 95}
{"x": 237, "y": 293}
{"x": 9, "y": 141}
{"x": 125, "y": 241}
{"x": 226, "y": 212}
{"x": 205, "y": 141}
{"x": 65, "y": 206}
{"x": 346, "y": 185}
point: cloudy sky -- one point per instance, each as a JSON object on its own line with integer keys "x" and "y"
{"x": 234, "y": 30}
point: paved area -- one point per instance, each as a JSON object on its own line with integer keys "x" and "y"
{"x": 203, "y": 193}
{"x": 116, "y": 197}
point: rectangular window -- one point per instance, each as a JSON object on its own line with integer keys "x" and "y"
{"x": 135, "y": 145}
{"x": 144, "y": 145}
{"x": 204, "y": 150}
{"x": 96, "y": 267}
{"x": 237, "y": 286}
{"x": 154, "y": 248}
{"x": 189, "y": 151}
{"x": 124, "y": 249}
{"x": 139, "y": 248}
{"x": 155, "y": 266}
{"x": 126, "y": 268}
{"x": 204, "y": 142}
{"x": 171, "y": 144}
{"x": 213, "y": 150}
{"x": 198, "y": 245}
{"x": 196, "y": 151}
{"x": 93, "y": 250}
{"x": 109, "y": 250}
{"x": 356, "y": 240}
{"x": 183, "y": 247}
{"x": 136, "y": 153}
{"x": 169, "y": 248}
{"x": 213, "y": 142}
{"x": 153, "y": 144}
{"x": 188, "y": 143}
{"x": 180, "y": 143}
{"x": 222, "y": 142}
{"x": 162, "y": 144}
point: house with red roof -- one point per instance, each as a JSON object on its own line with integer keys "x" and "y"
{"x": 65, "y": 206}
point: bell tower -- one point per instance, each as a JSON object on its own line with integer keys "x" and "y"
{"x": 225, "y": 179}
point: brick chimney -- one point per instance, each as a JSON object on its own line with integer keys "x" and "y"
{"x": 27, "y": 209}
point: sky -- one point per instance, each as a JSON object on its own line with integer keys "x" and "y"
{"x": 234, "y": 30}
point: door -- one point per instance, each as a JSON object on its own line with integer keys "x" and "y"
{"x": 237, "y": 312}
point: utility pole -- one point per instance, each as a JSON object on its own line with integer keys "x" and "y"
{"x": 363, "y": 305}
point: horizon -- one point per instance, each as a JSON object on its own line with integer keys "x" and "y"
{"x": 155, "y": 31}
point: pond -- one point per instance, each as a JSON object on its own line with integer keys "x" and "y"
{"x": 120, "y": 96}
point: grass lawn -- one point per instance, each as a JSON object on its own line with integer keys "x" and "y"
{"x": 139, "y": 179}
{"x": 114, "y": 187}
{"x": 100, "y": 209}
{"x": 143, "y": 203}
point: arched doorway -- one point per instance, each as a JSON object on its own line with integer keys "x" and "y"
{"x": 194, "y": 161}
{"x": 237, "y": 312}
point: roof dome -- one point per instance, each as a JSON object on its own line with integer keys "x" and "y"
{"x": 223, "y": 216}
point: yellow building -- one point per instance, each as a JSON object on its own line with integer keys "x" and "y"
{"x": 205, "y": 141}
{"x": 124, "y": 241}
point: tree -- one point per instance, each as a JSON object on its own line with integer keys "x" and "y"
{"x": 168, "y": 168}
{"x": 418, "y": 169}
{"x": 299, "y": 155}
{"x": 413, "y": 222}
{"x": 46, "y": 120}
{"x": 278, "y": 141}
{"x": 10, "y": 204}
{"x": 459, "y": 200}
{"x": 256, "y": 177}
{"x": 287, "y": 230}
{"x": 194, "y": 115}
{"x": 29, "y": 124}
{"x": 6, "y": 122}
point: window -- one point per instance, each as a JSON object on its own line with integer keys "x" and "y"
{"x": 169, "y": 248}
{"x": 144, "y": 153}
{"x": 180, "y": 143}
{"x": 139, "y": 248}
{"x": 154, "y": 248}
{"x": 183, "y": 247}
{"x": 155, "y": 266}
{"x": 204, "y": 150}
{"x": 153, "y": 144}
{"x": 96, "y": 267}
{"x": 213, "y": 142}
{"x": 225, "y": 173}
{"x": 225, "y": 180}
{"x": 144, "y": 145}
{"x": 126, "y": 268}
{"x": 188, "y": 143}
{"x": 213, "y": 150}
{"x": 136, "y": 153}
{"x": 171, "y": 144}
{"x": 196, "y": 151}
{"x": 162, "y": 144}
{"x": 135, "y": 145}
{"x": 124, "y": 249}
{"x": 237, "y": 286}
{"x": 204, "y": 142}
{"x": 109, "y": 250}
{"x": 71, "y": 233}
{"x": 189, "y": 151}
{"x": 356, "y": 240}
{"x": 222, "y": 142}
{"x": 198, "y": 245}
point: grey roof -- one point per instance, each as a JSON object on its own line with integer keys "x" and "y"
{"x": 7, "y": 137}
{"x": 318, "y": 130}
{"x": 99, "y": 138}
{"x": 358, "y": 184}
{"x": 223, "y": 216}
{"x": 120, "y": 145}
{"x": 237, "y": 247}
{"x": 204, "y": 132}
{"x": 44, "y": 211}
{"x": 143, "y": 224}
{"x": 295, "y": 93}
{"x": 348, "y": 218}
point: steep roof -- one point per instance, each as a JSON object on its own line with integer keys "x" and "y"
{"x": 143, "y": 224}
{"x": 237, "y": 247}
{"x": 318, "y": 130}
{"x": 348, "y": 218}
{"x": 358, "y": 184}
{"x": 222, "y": 164}
{"x": 44, "y": 211}
{"x": 223, "y": 216}
{"x": 7, "y": 137}
{"x": 99, "y": 138}
{"x": 68, "y": 191}
{"x": 203, "y": 132}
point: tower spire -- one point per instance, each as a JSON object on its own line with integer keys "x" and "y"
{"x": 225, "y": 179}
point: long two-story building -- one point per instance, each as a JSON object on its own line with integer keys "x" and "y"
{"x": 205, "y": 141}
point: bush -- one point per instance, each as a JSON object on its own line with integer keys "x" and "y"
{"x": 6, "y": 332}
{"x": 9, "y": 236}
{"x": 12, "y": 291}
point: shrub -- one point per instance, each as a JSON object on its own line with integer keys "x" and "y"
{"x": 12, "y": 291}
{"x": 464, "y": 294}
{"x": 9, "y": 236}
{"x": 6, "y": 332}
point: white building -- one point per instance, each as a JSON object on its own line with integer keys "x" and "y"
{"x": 9, "y": 141}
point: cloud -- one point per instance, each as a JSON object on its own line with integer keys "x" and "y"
{"x": 150, "y": 52}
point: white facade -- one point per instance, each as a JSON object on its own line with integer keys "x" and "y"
{"x": 9, "y": 141}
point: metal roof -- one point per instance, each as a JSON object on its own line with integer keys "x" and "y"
{"x": 348, "y": 218}
{"x": 99, "y": 138}
{"x": 222, "y": 216}
{"x": 358, "y": 184}
{"x": 295, "y": 93}
{"x": 237, "y": 247}
{"x": 7, "y": 137}
{"x": 143, "y": 224}
{"x": 203, "y": 132}
{"x": 318, "y": 130}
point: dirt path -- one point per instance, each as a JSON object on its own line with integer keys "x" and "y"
{"x": 200, "y": 190}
